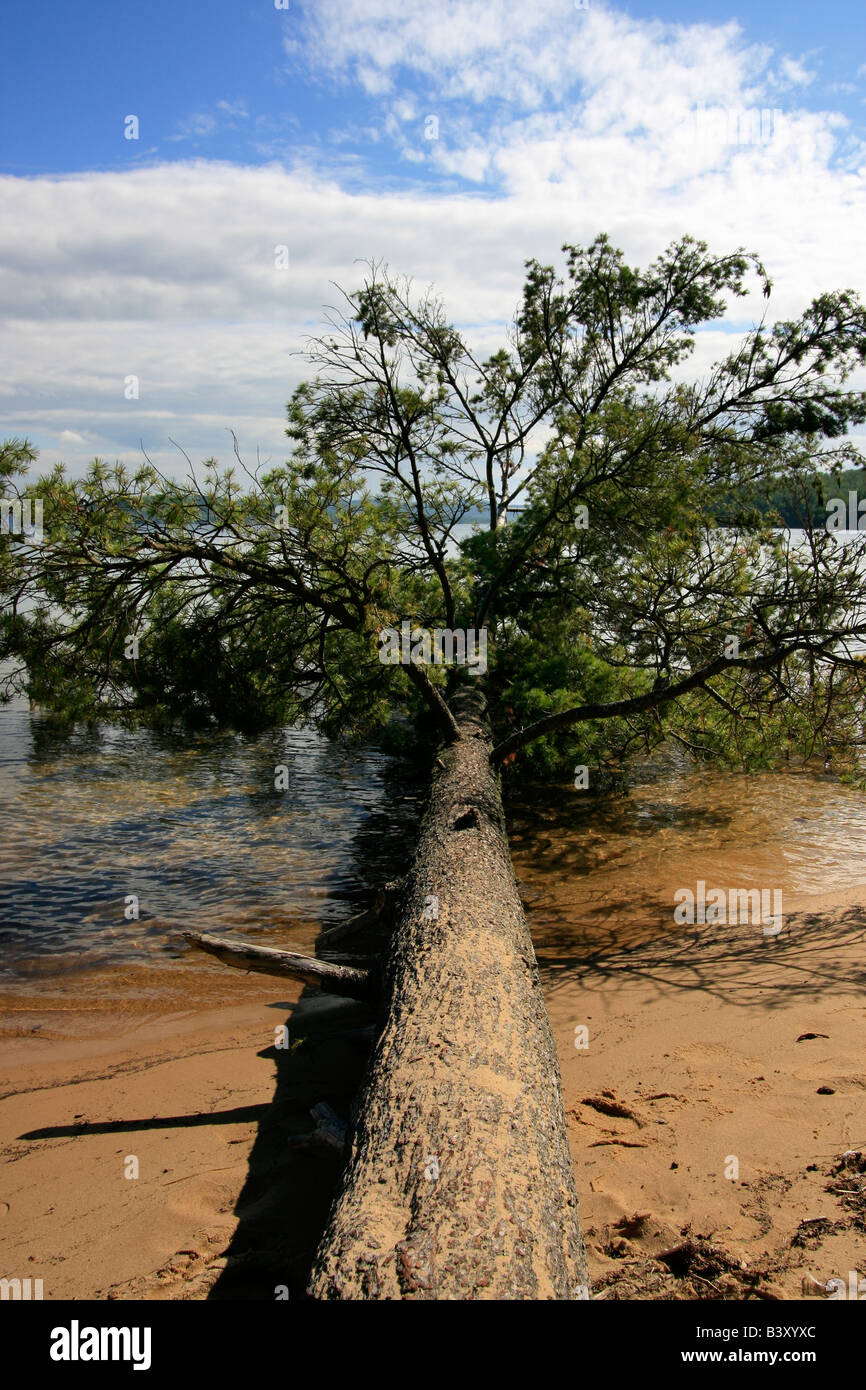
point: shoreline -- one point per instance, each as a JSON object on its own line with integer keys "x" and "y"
{"x": 695, "y": 1056}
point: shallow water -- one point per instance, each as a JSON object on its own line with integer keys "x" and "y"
{"x": 602, "y": 871}
{"x": 194, "y": 828}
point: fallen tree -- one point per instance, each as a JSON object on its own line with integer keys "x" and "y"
{"x": 460, "y": 1182}
{"x": 638, "y": 596}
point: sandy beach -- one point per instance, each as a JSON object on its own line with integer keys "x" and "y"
{"x": 719, "y": 1083}
{"x": 723, "y": 1082}
{"x": 190, "y": 1083}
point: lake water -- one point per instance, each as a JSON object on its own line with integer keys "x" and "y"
{"x": 193, "y": 828}
{"x": 599, "y": 874}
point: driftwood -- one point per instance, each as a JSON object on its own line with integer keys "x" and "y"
{"x": 337, "y": 979}
{"x": 459, "y": 1183}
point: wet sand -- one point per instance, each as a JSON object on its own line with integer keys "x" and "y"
{"x": 703, "y": 1119}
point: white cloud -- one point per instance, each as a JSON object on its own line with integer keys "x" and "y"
{"x": 203, "y": 124}
{"x": 234, "y": 108}
{"x": 520, "y": 54}
{"x": 404, "y": 110}
{"x": 195, "y": 127}
{"x": 566, "y": 123}
{"x": 792, "y": 72}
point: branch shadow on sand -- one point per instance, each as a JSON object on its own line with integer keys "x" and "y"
{"x": 815, "y": 952}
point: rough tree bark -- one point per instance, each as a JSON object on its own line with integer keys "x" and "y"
{"x": 459, "y": 1183}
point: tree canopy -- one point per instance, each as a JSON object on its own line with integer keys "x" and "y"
{"x": 631, "y": 572}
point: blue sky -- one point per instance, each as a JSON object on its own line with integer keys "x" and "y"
{"x": 212, "y": 78}
{"x": 454, "y": 139}
{"x": 80, "y": 69}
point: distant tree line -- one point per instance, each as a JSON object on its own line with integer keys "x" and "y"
{"x": 803, "y": 503}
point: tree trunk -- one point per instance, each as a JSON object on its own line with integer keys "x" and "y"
{"x": 459, "y": 1183}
